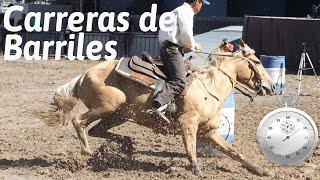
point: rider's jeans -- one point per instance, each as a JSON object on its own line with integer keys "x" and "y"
{"x": 176, "y": 73}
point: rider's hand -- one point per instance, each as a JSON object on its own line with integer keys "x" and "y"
{"x": 198, "y": 47}
{"x": 186, "y": 50}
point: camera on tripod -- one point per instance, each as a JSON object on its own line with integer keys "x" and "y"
{"x": 302, "y": 66}
{"x": 304, "y": 47}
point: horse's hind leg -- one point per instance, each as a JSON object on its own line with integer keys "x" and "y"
{"x": 108, "y": 101}
{"x": 80, "y": 122}
{"x": 213, "y": 139}
{"x": 106, "y": 123}
{"x": 115, "y": 119}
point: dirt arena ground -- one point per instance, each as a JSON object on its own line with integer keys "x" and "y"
{"x": 29, "y": 149}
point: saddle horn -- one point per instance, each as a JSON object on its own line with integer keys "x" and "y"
{"x": 147, "y": 56}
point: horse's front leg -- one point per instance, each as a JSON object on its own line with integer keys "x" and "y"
{"x": 189, "y": 127}
{"x": 213, "y": 139}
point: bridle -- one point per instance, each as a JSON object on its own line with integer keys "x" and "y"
{"x": 235, "y": 82}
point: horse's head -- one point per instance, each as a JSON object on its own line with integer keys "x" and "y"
{"x": 251, "y": 73}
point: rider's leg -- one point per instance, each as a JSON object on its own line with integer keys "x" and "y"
{"x": 176, "y": 74}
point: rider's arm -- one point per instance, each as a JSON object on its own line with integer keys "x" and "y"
{"x": 185, "y": 19}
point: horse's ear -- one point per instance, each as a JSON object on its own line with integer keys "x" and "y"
{"x": 241, "y": 42}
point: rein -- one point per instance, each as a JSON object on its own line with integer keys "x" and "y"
{"x": 250, "y": 94}
{"x": 208, "y": 90}
{"x": 216, "y": 54}
{"x": 234, "y": 82}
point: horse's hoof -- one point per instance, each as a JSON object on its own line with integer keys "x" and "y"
{"x": 268, "y": 173}
{"x": 198, "y": 174}
{"x": 258, "y": 170}
{"x": 196, "y": 170}
{"x": 254, "y": 168}
{"x": 86, "y": 152}
{"x": 75, "y": 123}
{"x": 65, "y": 122}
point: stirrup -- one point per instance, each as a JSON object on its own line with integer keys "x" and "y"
{"x": 163, "y": 116}
{"x": 160, "y": 112}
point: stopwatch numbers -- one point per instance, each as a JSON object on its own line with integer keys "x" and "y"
{"x": 287, "y": 136}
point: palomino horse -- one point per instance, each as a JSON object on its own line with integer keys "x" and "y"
{"x": 115, "y": 98}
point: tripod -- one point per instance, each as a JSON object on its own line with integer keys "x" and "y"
{"x": 302, "y": 66}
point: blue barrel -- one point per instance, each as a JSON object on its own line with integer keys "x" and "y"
{"x": 275, "y": 67}
{"x": 226, "y": 127}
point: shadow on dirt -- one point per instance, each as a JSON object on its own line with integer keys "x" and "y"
{"x": 27, "y": 163}
{"x": 104, "y": 159}
{"x": 72, "y": 164}
{"x": 117, "y": 153}
{"x": 162, "y": 154}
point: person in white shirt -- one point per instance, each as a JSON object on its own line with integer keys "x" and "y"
{"x": 173, "y": 45}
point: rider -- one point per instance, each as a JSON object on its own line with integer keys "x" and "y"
{"x": 173, "y": 46}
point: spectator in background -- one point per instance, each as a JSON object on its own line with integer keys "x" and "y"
{"x": 12, "y": 16}
{"x": 66, "y": 38}
{"x": 4, "y": 32}
{"x": 36, "y": 35}
{"x": 1, "y": 19}
{"x": 23, "y": 32}
{"x": 21, "y": 21}
{"x": 315, "y": 11}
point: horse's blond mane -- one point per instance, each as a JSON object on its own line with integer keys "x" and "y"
{"x": 216, "y": 59}
{"x": 210, "y": 72}
{"x": 204, "y": 73}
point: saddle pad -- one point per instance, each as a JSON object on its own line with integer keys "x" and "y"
{"x": 123, "y": 69}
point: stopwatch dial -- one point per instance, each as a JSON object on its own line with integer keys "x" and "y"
{"x": 287, "y": 127}
{"x": 287, "y": 137}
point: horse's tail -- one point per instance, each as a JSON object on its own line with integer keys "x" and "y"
{"x": 64, "y": 100}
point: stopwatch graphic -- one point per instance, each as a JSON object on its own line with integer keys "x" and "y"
{"x": 287, "y": 136}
